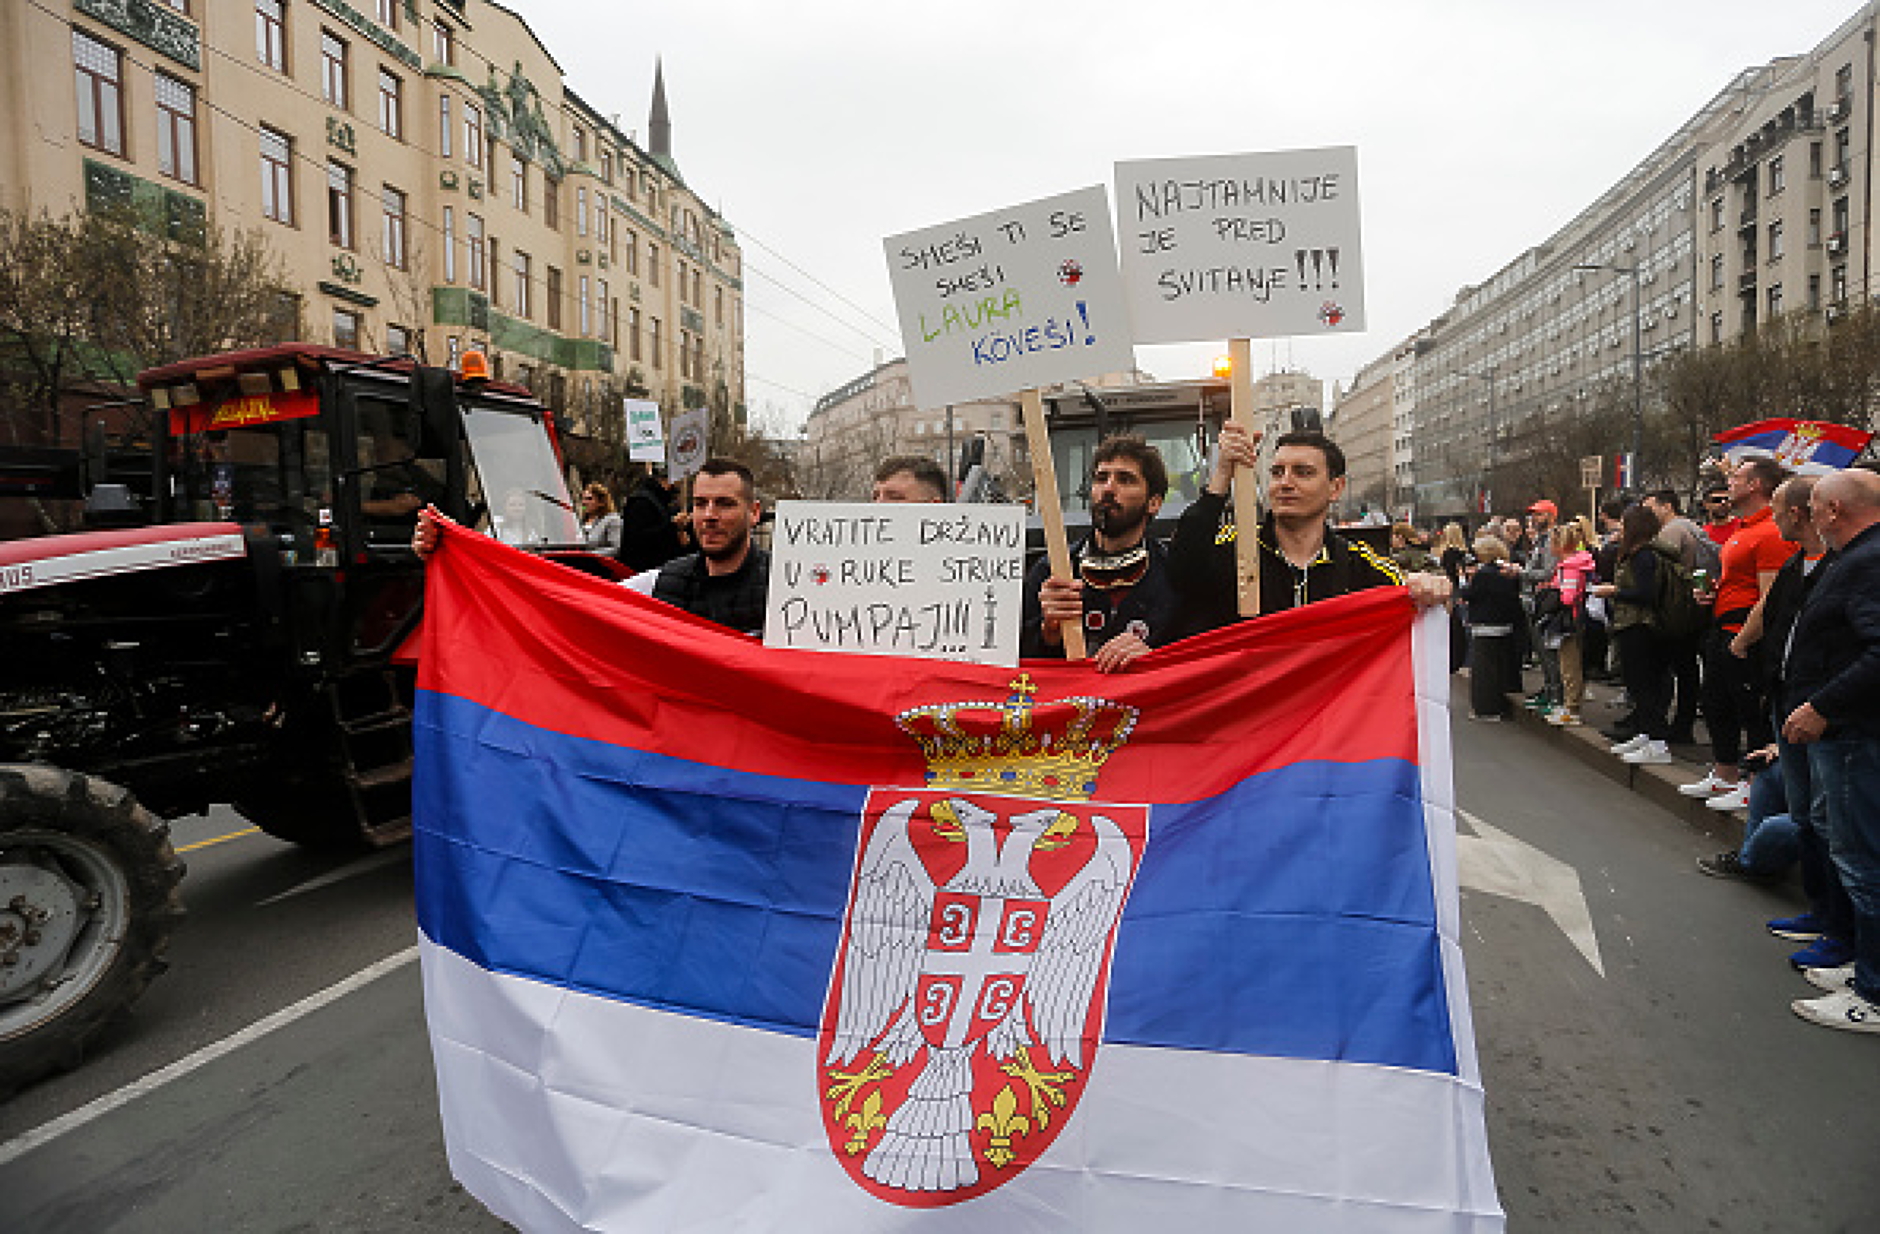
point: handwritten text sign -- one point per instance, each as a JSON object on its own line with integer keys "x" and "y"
{"x": 646, "y": 436}
{"x": 1011, "y": 300}
{"x": 1241, "y": 245}
{"x": 941, "y": 582}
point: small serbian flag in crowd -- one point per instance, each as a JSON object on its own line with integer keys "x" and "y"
{"x": 717, "y": 937}
{"x": 1805, "y": 446}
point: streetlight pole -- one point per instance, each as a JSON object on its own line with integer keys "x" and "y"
{"x": 1638, "y": 362}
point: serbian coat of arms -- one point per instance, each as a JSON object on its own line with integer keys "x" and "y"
{"x": 967, "y": 1000}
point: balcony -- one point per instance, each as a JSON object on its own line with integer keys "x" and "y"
{"x": 1837, "y": 244}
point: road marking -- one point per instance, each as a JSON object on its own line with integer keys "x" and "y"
{"x": 233, "y": 835}
{"x": 1503, "y": 865}
{"x": 352, "y": 870}
{"x": 48, "y": 1132}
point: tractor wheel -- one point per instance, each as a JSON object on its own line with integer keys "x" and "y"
{"x": 88, "y": 897}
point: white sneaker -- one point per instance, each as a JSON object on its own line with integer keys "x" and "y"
{"x": 1842, "y": 1009}
{"x": 1626, "y": 747}
{"x": 1830, "y": 979}
{"x": 1656, "y": 753}
{"x": 1709, "y": 786}
{"x": 1732, "y": 799}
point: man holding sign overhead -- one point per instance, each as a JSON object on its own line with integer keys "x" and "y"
{"x": 1301, "y": 558}
{"x": 1122, "y": 595}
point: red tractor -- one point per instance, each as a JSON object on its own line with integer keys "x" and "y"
{"x": 242, "y": 644}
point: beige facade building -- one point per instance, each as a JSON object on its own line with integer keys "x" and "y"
{"x": 1361, "y": 425}
{"x": 430, "y": 181}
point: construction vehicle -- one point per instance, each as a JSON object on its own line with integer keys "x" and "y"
{"x": 240, "y": 634}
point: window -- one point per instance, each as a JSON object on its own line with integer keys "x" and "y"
{"x": 1775, "y": 300}
{"x": 388, "y": 14}
{"x": 394, "y": 238}
{"x": 519, "y": 179}
{"x": 1716, "y": 327}
{"x": 339, "y": 204}
{"x": 1716, "y": 272}
{"x": 523, "y": 271}
{"x": 633, "y": 254}
{"x": 473, "y": 237}
{"x": 1844, "y": 82}
{"x": 1837, "y": 284}
{"x": 277, "y": 176}
{"x": 633, "y": 334}
{"x": 346, "y": 329}
{"x": 652, "y": 340}
{"x": 652, "y": 276}
{"x": 1814, "y": 160}
{"x": 1777, "y": 181}
{"x": 552, "y": 296}
{"x": 333, "y": 83}
{"x": 607, "y": 166}
{"x": 450, "y": 245}
{"x": 100, "y": 75}
{"x": 181, "y": 6}
{"x": 600, "y": 307}
{"x": 443, "y": 43}
{"x": 176, "y": 129}
{"x": 496, "y": 272}
{"x": 1775, "y": 240}
{"x": 397, "y": 340}
{"x": 271, "y": 34}
{"x": 472, "y": 134}
{"x": 1814, "y": 291}
{"x": 391, "y": 105}
{"x": 580, "y": 210}
{"x": 685, "y": 285}
{"x": 551, "y": 202}
{"x": 443, "y": 126}
{"x": 698, "y": 288}
{"x": 718, "y": 306}
{"x": 1716, "y": 214}
{"x": 581, "y": 307}
{"x": 600, "y": 218}
{"x": 1814, "y": 228}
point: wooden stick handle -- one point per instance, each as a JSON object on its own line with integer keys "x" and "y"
{"x": 1246, "y": 484}
{"x": 1050, "y": 512}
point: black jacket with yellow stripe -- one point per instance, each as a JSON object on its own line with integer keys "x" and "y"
{"x": 1201, "y": 564}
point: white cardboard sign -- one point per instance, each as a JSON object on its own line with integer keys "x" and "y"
{"x": 929, "y": 580}
{"x": 646, "y": 436}
{"x": 1011, "y": 300}
{"x": 1241, "y": 245}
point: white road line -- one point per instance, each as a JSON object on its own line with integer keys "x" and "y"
{"x": 48, "y": 1132}
{"x": 365, "y": 865}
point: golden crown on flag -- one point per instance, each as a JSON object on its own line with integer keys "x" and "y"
{"x": 1052, "y": 750}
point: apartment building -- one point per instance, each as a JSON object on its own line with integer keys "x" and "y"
{"x": 430, "y": 181}
{"x": 1757, "y": 206}
{"x": 859, "y": 423}
{"x": 1361, "y": 425}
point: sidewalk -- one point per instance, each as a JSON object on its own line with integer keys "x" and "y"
{"x": 1658, "y": 783}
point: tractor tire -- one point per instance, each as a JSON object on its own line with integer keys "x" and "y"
{"x": 88, "y": 898}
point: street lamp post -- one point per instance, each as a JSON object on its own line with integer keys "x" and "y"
{"x": 1638, "y": 361}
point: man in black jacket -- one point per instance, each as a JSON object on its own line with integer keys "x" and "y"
{"x": 1122, "y": 595}
{"x": 726, "y": 580}
{"x": 1301, "y": 558}
{"x": 1832, "y": 689}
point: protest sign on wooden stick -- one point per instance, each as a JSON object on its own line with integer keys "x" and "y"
{"x": 1246, "y": 483}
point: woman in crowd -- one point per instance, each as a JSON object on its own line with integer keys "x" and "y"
{"x": 600, "y": 525}
{"x": 1493, "y": 594}
{"x": 1453, "y": 551}
{"x": 1633, "y": 601}
{"x": 1561, "y": 629}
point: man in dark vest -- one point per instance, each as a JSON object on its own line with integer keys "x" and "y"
{"x": 725, "y": 580}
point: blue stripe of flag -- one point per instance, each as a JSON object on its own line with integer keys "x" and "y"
{"x": 1291, "y": 916}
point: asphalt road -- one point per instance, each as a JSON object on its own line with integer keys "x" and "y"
{"x": 1674, "y": 1091}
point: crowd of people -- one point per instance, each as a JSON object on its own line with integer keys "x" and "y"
{"x": 1765, "y": 620}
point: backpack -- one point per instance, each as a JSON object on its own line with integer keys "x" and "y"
{"x": 1676, "y": 611}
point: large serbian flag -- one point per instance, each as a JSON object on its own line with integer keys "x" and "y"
{"x": 718, "y": 937}
{"x": 1806, "y": 446}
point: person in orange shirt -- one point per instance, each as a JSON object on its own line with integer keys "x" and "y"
{"x": 1733, "y": 702}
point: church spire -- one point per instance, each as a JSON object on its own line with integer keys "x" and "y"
{"x": 659, "y": 124}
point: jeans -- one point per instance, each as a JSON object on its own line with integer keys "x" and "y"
{"x": 1771, "y": 839}
{"x": 1821, "y": 882}
{"x": 1847, "y": 772}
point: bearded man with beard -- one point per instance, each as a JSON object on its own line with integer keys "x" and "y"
{"x": 1122, "y": 593}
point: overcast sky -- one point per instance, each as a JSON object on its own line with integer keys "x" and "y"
{"x": 820, "y": 126}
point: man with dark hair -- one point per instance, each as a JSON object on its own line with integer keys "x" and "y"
{"x": 909, "y": 477}
{"x": 726, "y": 579}
{"x": 1301, "y": 558}
{"x": 1121, "y": 595}
{"x": 1719, "y": 523}
{"x": 1696, "y": 551}
{"x": 1733, "y": 701}
{"x": 649, "y": 524}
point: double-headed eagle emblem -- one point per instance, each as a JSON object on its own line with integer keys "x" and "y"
{"x": 967, "y": 1002}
